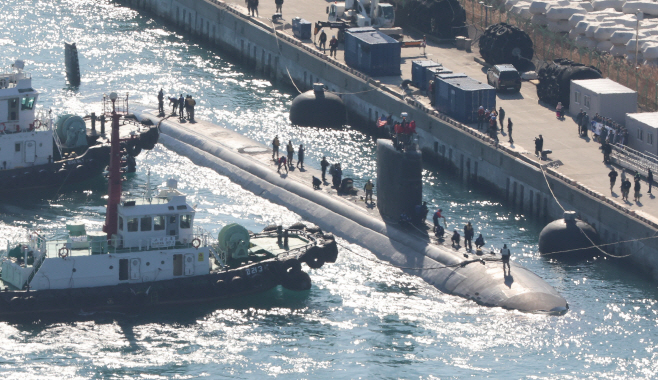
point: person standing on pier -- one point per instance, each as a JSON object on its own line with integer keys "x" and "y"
{"x": 368, "y": 189}
{"x": 468, "y": 236}
{"x": 275, "y": 147}
{"x": 650, "y": 180}
{"x": 323, "y": 41}
{"x": 333, "y": 46}
{"x": 300, "y": 157}
{"x": 191, "y": 103}
{"x": 501, "y": 117}
{"x": 613, "y": 178}
{"x": 436, "y": 217}
{"x": 279, "y": 5}
{"x": 509, "y": 130}
{"x": 324, "y": 164}
{"x": 161, "y": 102}
{"x": 505, "y": 253}
{"x": 291, "y": 150}
{"x": 539, "y": 146}
{"x": 181, "y": 107}
{"x": 637, "y": 189}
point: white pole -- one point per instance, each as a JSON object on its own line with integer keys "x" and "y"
{"x": 639, "y": 16}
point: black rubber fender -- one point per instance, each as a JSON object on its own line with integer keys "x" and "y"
{"x": 314, "y": 257}
{"x": 297, "y": 226}
{"x": 330, "y": 251}
{"x": 297, "y": 281}
{"x": 271, "y": 227}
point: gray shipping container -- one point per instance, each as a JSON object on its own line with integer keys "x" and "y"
{"x": 603, "y": 96}
{"x": 372, "y": 52}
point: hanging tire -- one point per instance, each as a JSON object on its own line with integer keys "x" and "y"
{"x": 314, "y": 257}
{"x": 238, "y": 284}
{"x": 271, "y": 227}
{"x": 298, "y": 281}
{"x": 297, "y": 226}
{"x": 504, "y": 43}
{"x": 330, "y": 251}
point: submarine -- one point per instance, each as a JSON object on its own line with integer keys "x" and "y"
{"x": 477, "y": 278}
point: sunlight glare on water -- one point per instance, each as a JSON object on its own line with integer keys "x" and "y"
{"x": 362, "y": 318}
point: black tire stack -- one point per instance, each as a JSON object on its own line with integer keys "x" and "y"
{"x": 504, "y": 43}
{"x": 555, "y": 79}
{"x": 440, "y": 18}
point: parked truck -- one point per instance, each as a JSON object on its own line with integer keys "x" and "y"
{"x": 363, "y": 13}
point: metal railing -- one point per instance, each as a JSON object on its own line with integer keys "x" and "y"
{"x": 632, "y": 159}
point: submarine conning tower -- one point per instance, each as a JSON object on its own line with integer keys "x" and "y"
{"x": 399, "y": 179}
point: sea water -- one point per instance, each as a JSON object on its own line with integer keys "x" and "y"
{"x": 362, "y": 318}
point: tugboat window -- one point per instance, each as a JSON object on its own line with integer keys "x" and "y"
{"x": 172, "y": 219}
{"x": 132, "y": 225}
{"x": 158, "y": 223}
{"x": 120, "y": 223}
{"x": 145, "y": 224}
{"x": 27, "y": 103}
{"x": 185, "y": 221}
{"x": 17, "y": 147}
{"x": 13, "y": 109}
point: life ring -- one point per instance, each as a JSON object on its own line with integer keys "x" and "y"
{"x": 196, "y": 243}
{"x": 37, "y": 124}
{"x": 63, "y": 252}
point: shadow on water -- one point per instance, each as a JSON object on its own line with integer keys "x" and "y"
{"x": 276, "y": 298}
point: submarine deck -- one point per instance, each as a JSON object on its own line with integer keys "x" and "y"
{"x": 451, "y": 269}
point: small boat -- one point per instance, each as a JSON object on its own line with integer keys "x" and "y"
{"x": 36, "y": 153}
{"x": 151, "y": 254}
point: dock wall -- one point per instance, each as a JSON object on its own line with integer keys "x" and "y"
{"x": 474, "y": 157}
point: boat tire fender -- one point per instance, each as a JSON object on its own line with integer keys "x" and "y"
{"x": 297, "y": 281}
{"x": 63, "y": 252}
{"x": 314, "y": 257}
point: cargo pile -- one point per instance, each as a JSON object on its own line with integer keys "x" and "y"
{"x": 607, "y": 26}
{"x": 440, "y": 18}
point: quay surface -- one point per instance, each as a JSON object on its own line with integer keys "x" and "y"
{"x": 579, "y": 182}
{"x": 453, "y": 270}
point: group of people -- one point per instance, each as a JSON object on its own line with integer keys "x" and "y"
{"x": 182, "y": 104}
{"x": 489, "y": 119}
{"x": 626, "y": 184}
{"x": 604, "y": 130}
{"x": 333, "y": 44}
{"x": 286, "y": 162}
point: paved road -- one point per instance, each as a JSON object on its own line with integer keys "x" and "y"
{"x": 581, "y": 158}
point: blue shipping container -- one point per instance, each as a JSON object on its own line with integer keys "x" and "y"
{"x": 459, "y": 96}
{"x": 418, "y": 67}
{"x": 301, "y": 28}
{"x": 372, "y": 52}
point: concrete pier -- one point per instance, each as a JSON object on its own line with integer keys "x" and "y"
{"x": 578, "y": 179}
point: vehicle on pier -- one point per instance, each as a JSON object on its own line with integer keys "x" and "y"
{"x": 150, "y": 254}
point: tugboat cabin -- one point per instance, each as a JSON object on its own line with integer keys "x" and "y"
{"x": 155, "y": 241}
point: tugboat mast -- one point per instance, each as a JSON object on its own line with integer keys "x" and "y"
{"x": 114, "y": 183}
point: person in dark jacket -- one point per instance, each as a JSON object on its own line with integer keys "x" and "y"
{"x": 337, "y": 176}
{"x": 181, "y": 106}
{"x": 173, "y": 102}
{"x": 613, "y": 178}
{"x": 637, "y": 189}
{"x": 509, "y": 130}
{"x": 501, "y": 117}
{"x": 333, "y": 46}
{"x": 323, "y": 41}
{"x": 650, "y": 180}
{"x": 479, "y": 242}
{"x": 468, "y": 236}
{"x": 324, "y": 164}
{"x": 539, "y": 146}
{"x": 455, "y": 238}
{"x": 300, "y": 157}
{"x": 161, "y": 102}
{"x": 279, "y": 5}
